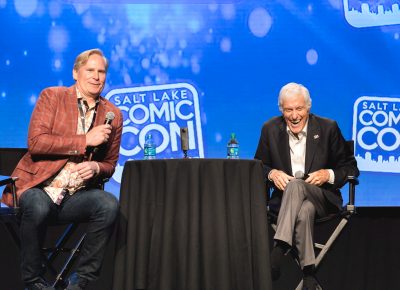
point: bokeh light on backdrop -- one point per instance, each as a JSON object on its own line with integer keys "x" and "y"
{"x": 215, "y": 67}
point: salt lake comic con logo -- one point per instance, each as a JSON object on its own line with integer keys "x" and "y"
{"x": 376, "y": 124}
{"x": 160, "y": 110}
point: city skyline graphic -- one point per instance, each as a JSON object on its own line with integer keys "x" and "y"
{"x": 368, "y": 163}
{"x": 371, "y": 13}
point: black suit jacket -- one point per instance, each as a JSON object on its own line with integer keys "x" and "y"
{"x": 325, "y": 149}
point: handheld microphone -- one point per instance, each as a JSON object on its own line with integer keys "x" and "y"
{"x": 184, "y": 141}
{"x": 109, "y": 117}
{"x": 300, "y": 175}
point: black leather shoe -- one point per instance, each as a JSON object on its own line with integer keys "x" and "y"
{"x": 76, "y": 283}
{"x": 276, "y": 261}
{"x": 310, "y": 283}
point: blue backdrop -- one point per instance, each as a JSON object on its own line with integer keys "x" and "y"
{"x": 216, "y": 68}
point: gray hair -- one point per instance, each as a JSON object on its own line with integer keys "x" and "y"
{"x": 291, "y": 89}
{"x": 83, "y": 57}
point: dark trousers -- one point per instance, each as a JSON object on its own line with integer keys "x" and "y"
{"x": 94, "y": 206}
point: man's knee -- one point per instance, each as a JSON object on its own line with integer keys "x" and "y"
{"x": 295, "y": 187}
{"x": 306, "y": 213}
{"x": 108, "y": 206}
{"x": 35, "y": 204}
{"x": 295, "y": 183}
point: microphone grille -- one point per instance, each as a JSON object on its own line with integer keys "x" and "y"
{"x": 110, "y": 116}
{"x": 299, "y": 174}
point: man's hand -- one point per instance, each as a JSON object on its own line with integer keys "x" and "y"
{"x": 318, "y": 178}
{"x": 279, "y": 178}
{"x": 98, "y": 135}
{"x": 86, "y": 170}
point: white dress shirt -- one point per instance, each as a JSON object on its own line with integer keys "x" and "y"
{"x": 297, "y": 146}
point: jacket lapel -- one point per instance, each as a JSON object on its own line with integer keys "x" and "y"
{"x": 72, "y": 110}
{"x": 101, "y": 114}
{"x": 284, "y": 149}
{"x": 313, "y": 137}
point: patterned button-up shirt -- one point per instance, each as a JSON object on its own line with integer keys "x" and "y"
{"x": 66, "y": 181}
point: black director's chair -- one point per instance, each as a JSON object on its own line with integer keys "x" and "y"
{"x": 69, "y": 239}
{"x": 344, "y": 215}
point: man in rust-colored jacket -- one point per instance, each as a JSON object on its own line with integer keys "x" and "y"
{"x": 70, "y": 149}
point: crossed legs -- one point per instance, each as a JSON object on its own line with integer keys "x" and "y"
{"x": 295, "y": 226}
{"x": 301, "y": 202}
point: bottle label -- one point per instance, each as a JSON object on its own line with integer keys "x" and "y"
{"x": 233, "y": 152}
{"x": 149, "y": 152}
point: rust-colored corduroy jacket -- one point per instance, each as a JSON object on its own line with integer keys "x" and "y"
{"x": 52, "y": 139}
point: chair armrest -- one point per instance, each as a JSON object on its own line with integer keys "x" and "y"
{"x": 9, "y": 212}
{"x": 6, "y": 180}
{"x": 11, "y": 181}
{"x": 102, "y": 182}
{"x": 353, "y": 181}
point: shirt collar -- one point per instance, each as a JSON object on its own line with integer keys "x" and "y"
{"x": 82, "y": 99}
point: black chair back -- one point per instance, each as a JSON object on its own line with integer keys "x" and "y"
{"x": 9, "y": 158}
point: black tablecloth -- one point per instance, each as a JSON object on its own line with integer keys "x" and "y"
{"x": 192, "y": 224}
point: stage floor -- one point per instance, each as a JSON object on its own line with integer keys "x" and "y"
{"x": 364, "y": 257}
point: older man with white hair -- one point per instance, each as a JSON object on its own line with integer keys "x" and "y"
{"x": 306, "y": 161}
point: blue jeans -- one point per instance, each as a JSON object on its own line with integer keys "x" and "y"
{"x": 94, "y": 206}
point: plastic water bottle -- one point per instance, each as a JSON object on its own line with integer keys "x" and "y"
{"x": 149, "y": 148}
{"x": 233, "y": 148}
